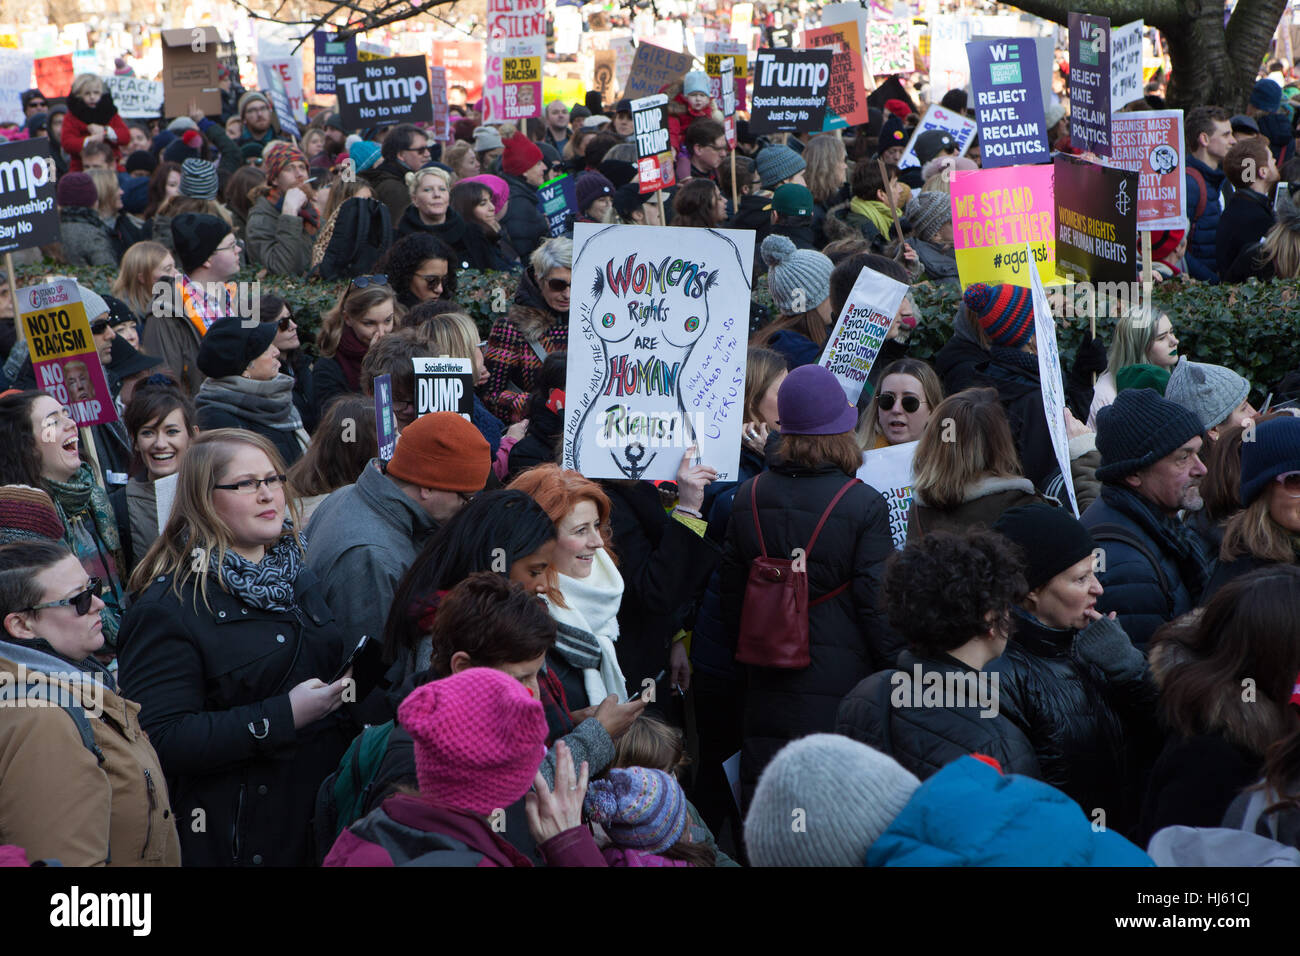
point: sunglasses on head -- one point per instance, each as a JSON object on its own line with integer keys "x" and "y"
{"x": 79, "y": 602}
{"x": 362, "y": 282}
{"x": 910, "y": 402}
{"x": 558, "y": 285}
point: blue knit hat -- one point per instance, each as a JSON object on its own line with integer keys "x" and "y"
{"x": 1266, "y": 96}
{"x": 799, "y": 279}
{"x": 640, "y": 808}
{"x": 1005, "y": 312}
{"x": 775, "y": 164}
{"x": 1138, "y": 430}
{"x": 697, "y": 81}
{"x": 364, "y": 154}
{"x": 1275, "y": 451}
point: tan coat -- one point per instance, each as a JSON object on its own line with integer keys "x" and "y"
{"x": 57, "y": 801}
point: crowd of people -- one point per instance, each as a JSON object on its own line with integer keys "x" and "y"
{"x": 467, "y": 655}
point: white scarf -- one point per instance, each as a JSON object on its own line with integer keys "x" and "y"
{"x": 593, "y": 611}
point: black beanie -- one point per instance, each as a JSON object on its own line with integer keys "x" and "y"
{"x": 195, "y": 236}
{"x": 229, "y": 347}
{"x": 1139, "y": 429}
{"x": 1051, "y": 539}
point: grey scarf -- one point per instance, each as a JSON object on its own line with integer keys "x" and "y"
{"x": 270, "y": 403}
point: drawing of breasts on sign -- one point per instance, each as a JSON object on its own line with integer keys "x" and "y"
{"x": 655, "y": 313}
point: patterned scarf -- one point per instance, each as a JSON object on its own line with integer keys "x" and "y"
{"x": 268, "y": 402}
{"x": 80, "y": 495}
{"x": 269, "y": 584}
{"x": 309, "y": 214}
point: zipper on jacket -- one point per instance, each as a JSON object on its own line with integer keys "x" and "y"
{"x": 234, "y": 833}
{"x": 153, "y": 807}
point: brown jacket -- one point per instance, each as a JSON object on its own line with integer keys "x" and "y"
{"x": 983, "y": 504}
{"x": 57, "y": 800}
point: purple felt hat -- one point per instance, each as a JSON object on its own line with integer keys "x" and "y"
{"x": 811, "y": 401}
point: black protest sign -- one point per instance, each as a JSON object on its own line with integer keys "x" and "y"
{"x": 1096, "y": 221}
{"x": 1090, "y": 83}
{"x": 392, "y": 90}
{"x": 790, "y": 91}
{"x": 27, "y": 214}
{"x": 444, "y": 385}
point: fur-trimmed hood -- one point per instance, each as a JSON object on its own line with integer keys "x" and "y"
{"x": 991, "y": 485}
{"x": 529, "y": 312}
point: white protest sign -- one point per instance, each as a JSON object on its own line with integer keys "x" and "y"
{"x": 1125, "y": 64}
{"x": 134, "y": 96}
{"x": 658, "y": 327}
{"x": 860, "y": 332}
{"x": 961, "y": 128}
{"x": 889, "y": 471}
{"x": 164, "y": 495}
{"x": 1049, "y": 374}
{"x": 15, "y": 78}
{"x": 278, "y": 67}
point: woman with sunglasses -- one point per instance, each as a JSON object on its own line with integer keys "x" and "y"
{"x": 94, "y": 800}
{"x": 901, "y": 407}
{"x": 365, "y": 313}
{"x": 421, "y": 268}
{"x": 536, "y": 325}
{"x": 294, "y": 360}
{"x": 228, "y": 648}
{"x": 283, "y": 223}
{"x": 40, "y": 446}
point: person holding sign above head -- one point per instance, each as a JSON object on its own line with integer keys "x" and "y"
{"x": 92, "y": 118}
{"x": 524, "y": 169}
{"x": 799, "y": 282}
{"x": 364, "y": 314}
{"x": 283, "y": 223}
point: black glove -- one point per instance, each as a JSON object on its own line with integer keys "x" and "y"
{"x": 1088, "y": 358}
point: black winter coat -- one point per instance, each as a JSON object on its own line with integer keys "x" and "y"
{"x": 363, "y": 232}
{"x": 327, "y": 382}
{"x": 926, "y": 739}
{"x": 286, "y": 443}
{"x": 539, "y": 444}
{"x": 213, "y": 688}
{"x": 1245, "y": 221}
{"x": 957, "y": 360}
{"x": 524, "y": 224}
{"x": 463, "y": 239}
{"x": 849, "y": 634}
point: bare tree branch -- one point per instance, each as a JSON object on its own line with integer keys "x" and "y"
{"x": 1156, "y": 13}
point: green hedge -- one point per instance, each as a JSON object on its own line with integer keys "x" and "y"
{"x": 1253, "y": 327}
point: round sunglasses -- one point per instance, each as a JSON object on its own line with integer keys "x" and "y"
{"x": 910, "y": 402}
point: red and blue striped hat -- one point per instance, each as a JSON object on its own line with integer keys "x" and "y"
{"x": 1005, "y": 312}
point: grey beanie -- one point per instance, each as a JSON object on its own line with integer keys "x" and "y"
{"x": 823, "y": 801}
{"x": 198, "y": 179}
{"x": 92, "y": 302}
{"x": 927, "y": 213}
{"x": 775, "y": 164}
{"x": 486, "y": 138}
{"x": 799, "y": 279}
{"x": 1210, "y": 392}
{"x": 182, "y": 124}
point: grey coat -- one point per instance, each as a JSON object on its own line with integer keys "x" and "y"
{"x": 277, "y": 242}
{"x": 360, "y": 542}
{"x": 86, "y": 238}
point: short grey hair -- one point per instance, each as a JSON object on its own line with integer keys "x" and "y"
{"x": 553, "y": 254}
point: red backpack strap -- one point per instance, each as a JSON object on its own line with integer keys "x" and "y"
{"x": 827, "y": 513}
{"x": 1200, "y": 202}
{"x": 753, "y": 507}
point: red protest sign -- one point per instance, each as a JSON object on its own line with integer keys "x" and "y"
{"x": 54, "y": 74}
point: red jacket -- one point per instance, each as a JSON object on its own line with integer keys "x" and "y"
{"x": 680, "y": 116}
{"x": 74, "y": 137}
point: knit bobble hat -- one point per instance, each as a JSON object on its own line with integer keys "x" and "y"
{"x": 479, "y": 738}
{"x": 775, "y": 164}
{"x": 76, "y": 190}
{"x": 441, "y": 450}
{"x": 364, "y": 154}
{"x": 811, "y": 401}
{"x": 1275, "y": 451}
{"x": 187, "y": 147}
{"x": 28, "y": 514}
{"x": 1210, "y": 392}
{"x": 695, "y": 82}
{"x": 592, "y": 186}
{"x": 231, "y": 345}
{"x": 195, "y": 237}
{"x": 521, "y": 154}
{"x": 1005, "y": 312}
{"x": 640, "y": 808}
{"x": 198, "y": 179}
{"x": 844, "y": 793}
{"x": 1139, "y": 429}
{"x": 928, "y": 213}
{"x": 1051, "y": 538}
{"x": 799, "y": 279}
{"x": 277, "y": 156}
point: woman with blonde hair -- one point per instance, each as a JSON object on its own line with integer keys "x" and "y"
{"x": 227, "y": 649}
{"x": 431, "y": 212}
{"x": 1141, "y": 337}
{"x": 827, "y": 176}
{"x": 144, "y": 265}
{"x": 365, "y": 313}
{"x": 901, "y": 407}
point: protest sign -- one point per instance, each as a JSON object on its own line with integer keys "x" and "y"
{"x": 559, "y": 199}
{"x": 738, "y": 53}
{"x": 54, "y": 74}
{"x": 331, "y": 53}
{"x": 653, "y": 67}
{"x": 948, "y": 38}
{"x": 438, "y": 97}
{"x": 567, "y": 29}
{"x": 135, "y": 97}
{"x": 385, "y": 423}
{"x": 279, "y": 67}
{"x": 790, "y": 91}
{"x": 659, "y": 322}
{"x": 860, "y": 331}
{"x": 994, "y": 213}
{"x": 444, "y": 385}
{"x": 959, "y": 127}
{"x": 602, "y": 74}
{"x": 463, "y": 61}
{"x": 845, "y": 99}
{"x": 654, "y": 152}
{"x": 367, "y": 51}
{"x": 63, "y": 350}
{"x": 15, "y": 78}
{"x": 1125, "y": 65}
{"x": 516, "y": 48}
{"x": 890, "y": 46}
{"x": 190, "y": 59}
{"x": 742, "y": 21}
{"x": 1090, "y": 83}
{"x": 889, "y": 471}
{"x": 1008, "y": 102}
{"x": 1150, "y": 142}
{"x": 1096, "y": 221}
{"x": 395, "y": 90}
{"x": 1049, "y": 374}
{"x": 727, "y": 73}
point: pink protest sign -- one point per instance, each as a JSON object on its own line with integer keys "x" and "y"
{"x": 995, "y": 212}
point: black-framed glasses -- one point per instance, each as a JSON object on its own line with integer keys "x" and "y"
{"x": 432, "y": 280}
{"x": 249, "y": 486}
{"x": 285, "y": 322}
{"x": 364, "y": 282}
{"x": 79, "y": 602}
{"x": 910, "y": 402}
{"x": 558, "y": 285}
{"x": 99, "y": 326}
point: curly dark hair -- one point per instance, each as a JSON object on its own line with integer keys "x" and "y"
{"x": 20, "y": 459}
{"x": 941, "y": 589}
{"x": 405, "y": 257}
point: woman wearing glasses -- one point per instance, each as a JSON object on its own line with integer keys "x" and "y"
{"x": 283, "y": 223}
{"x": 80, "y": 783}
{"x": 365, "y": 314}
{"x": 536, "y": 325}
{"x": 420, "y": 268}
{"x": 228, "y": 649}
{"x": 40, "y": 446}
{"x": 245, "y": 387}
{"x": 294, "y": 360}
{"x": 901, "y": 407}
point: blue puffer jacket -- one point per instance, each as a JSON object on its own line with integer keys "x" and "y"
{"x": 1144, "y": 594}
{"x": 1201, "y": 244}
{"x": 969, "y": 814}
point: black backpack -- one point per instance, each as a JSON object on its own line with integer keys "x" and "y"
{"x": 362, "y": 233}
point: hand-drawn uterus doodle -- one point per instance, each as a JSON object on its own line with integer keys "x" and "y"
{"x": 643, "y": 296}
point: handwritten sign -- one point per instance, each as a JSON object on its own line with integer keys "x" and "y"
{"x": 1049, "y": 374}
{"x": 860, "y": 331}
{"x": 652, "y": 69}
{"x": 890, "y": 43}
{"x": 63, "y": 351}
{"x": 134, "y": 96}
{"x": 15, "y": 77}
{"x": 1125, "y": 65}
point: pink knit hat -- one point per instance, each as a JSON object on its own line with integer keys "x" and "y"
{"x": 479, "y": 739}
{"x": 500, "y": 191}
